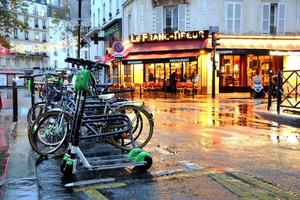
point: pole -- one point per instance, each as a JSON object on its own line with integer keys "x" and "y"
{"x": 279, "y": 89}
{"x": 270, "y": 90}
{"x": 79, "y": 29}
{"x": 213, "y": 86}
{"x": 15, "y": 101}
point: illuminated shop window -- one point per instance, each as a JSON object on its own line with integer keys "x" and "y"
{"x": 128, "y": 73}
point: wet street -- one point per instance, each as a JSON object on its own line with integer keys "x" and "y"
{"x": 202, "y": 149}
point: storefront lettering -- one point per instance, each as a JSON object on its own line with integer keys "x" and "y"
{"x": 179, "y": 60}
{"x": 225, "y": 52}
{"x": 134, "y": 62}
{"x": 177, "y": 35}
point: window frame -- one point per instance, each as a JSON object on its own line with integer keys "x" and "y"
{"x": 174, "y": 26}
{"x": 234, "y": 18}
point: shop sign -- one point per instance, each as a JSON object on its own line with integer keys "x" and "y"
{"x": 111, "y": 30}
{"x": 134, "y": 62}
{"x": 173, "y": 36}
{"x": 118, "y": 57}
{"x": 243, "y": 52}
{"x": 179, "y": 60}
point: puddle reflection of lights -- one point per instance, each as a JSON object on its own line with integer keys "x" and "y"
{"x": 289, "y": 137}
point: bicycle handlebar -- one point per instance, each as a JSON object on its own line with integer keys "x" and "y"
{"x": 88, "y": 63}
{"x": 42, "y": 74}
{"x": 31, "y": 76}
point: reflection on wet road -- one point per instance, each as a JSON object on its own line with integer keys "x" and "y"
{"x": 227, "y": 133}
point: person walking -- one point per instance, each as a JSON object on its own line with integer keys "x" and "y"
{"x": 174, "y": 80}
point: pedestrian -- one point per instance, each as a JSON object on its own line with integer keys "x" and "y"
{"x": 257, "y": 78}
{"x": 174, "y": 80}
{"x": 151, "y": 77}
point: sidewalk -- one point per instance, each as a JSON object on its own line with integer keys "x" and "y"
{"x": 272, "y": 115}
{"x": 20, "y": 181}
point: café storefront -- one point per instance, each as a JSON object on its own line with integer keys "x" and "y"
{"x": 242, "y": 56}
{"x": 152, "y": 58}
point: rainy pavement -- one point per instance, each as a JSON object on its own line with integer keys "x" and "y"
{"x": 202, "y": 149}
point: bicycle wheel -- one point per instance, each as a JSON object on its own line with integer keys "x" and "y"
{"x": 141, "y": 128}
{"x": 39, "y": 109}
{"x": 49, "y": 133}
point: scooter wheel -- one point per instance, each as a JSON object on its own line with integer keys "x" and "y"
{"x": 68, "y": 170}
{"x": 147, "y": 158}
{"x": 64, "y": 162}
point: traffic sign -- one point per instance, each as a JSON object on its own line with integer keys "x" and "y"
{"x": 118, "y": 46}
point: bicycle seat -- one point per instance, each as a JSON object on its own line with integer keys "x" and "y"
{"x": 106, "y": 96}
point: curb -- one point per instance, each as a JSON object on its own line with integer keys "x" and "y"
{"x": 286, "y": 119}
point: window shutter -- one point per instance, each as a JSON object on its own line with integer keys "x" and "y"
{"x": 238, "y": 18}
{"x": 181, "y": 17}
{"x": 266, "y": 9}
{"x": 229, "y": 18}
{"x": 159, "y": 19}
{"x": 281, "y": 19}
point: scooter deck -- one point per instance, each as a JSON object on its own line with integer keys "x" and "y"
{"x": 112, "y": 162}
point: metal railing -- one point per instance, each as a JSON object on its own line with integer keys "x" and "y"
{"x": 288, "y": 83}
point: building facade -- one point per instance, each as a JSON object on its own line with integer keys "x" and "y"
{"x": 28, "y": 45}
{"x": 255, "y": 35}
{"x": 49, "y": 38}
{"x": 106, "y": 22}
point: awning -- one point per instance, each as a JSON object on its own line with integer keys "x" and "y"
{"x": 161, "y": 57}
{"x": 166, "y": 46}
{"x": 274, "y": 44}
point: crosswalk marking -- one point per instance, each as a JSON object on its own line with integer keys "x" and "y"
{"x": 93, "y": 193}
{"x": 249, "y": 187}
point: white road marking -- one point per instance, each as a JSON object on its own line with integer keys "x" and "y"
{"x": 191, "y": 166}
{"x": 89, "y": 182}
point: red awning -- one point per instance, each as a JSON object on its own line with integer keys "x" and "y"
{"x": 154, "y": 47}
{"x": 150, "y": 56}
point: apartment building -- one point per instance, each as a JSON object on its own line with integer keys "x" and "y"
{"x": 28, "y": 45}
{"x": 50, "y": 37}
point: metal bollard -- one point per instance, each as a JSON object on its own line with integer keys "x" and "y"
{"x": 15, "y": 101}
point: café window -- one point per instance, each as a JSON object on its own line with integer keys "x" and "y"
{"x": 128, "y": 69}
{"x": 115, "y": 74}
{"x": 149, "y": 73}
{"x": 261, "y": 63}
{"x": 189, "y": 71}
{"x": 230, "y": 70}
